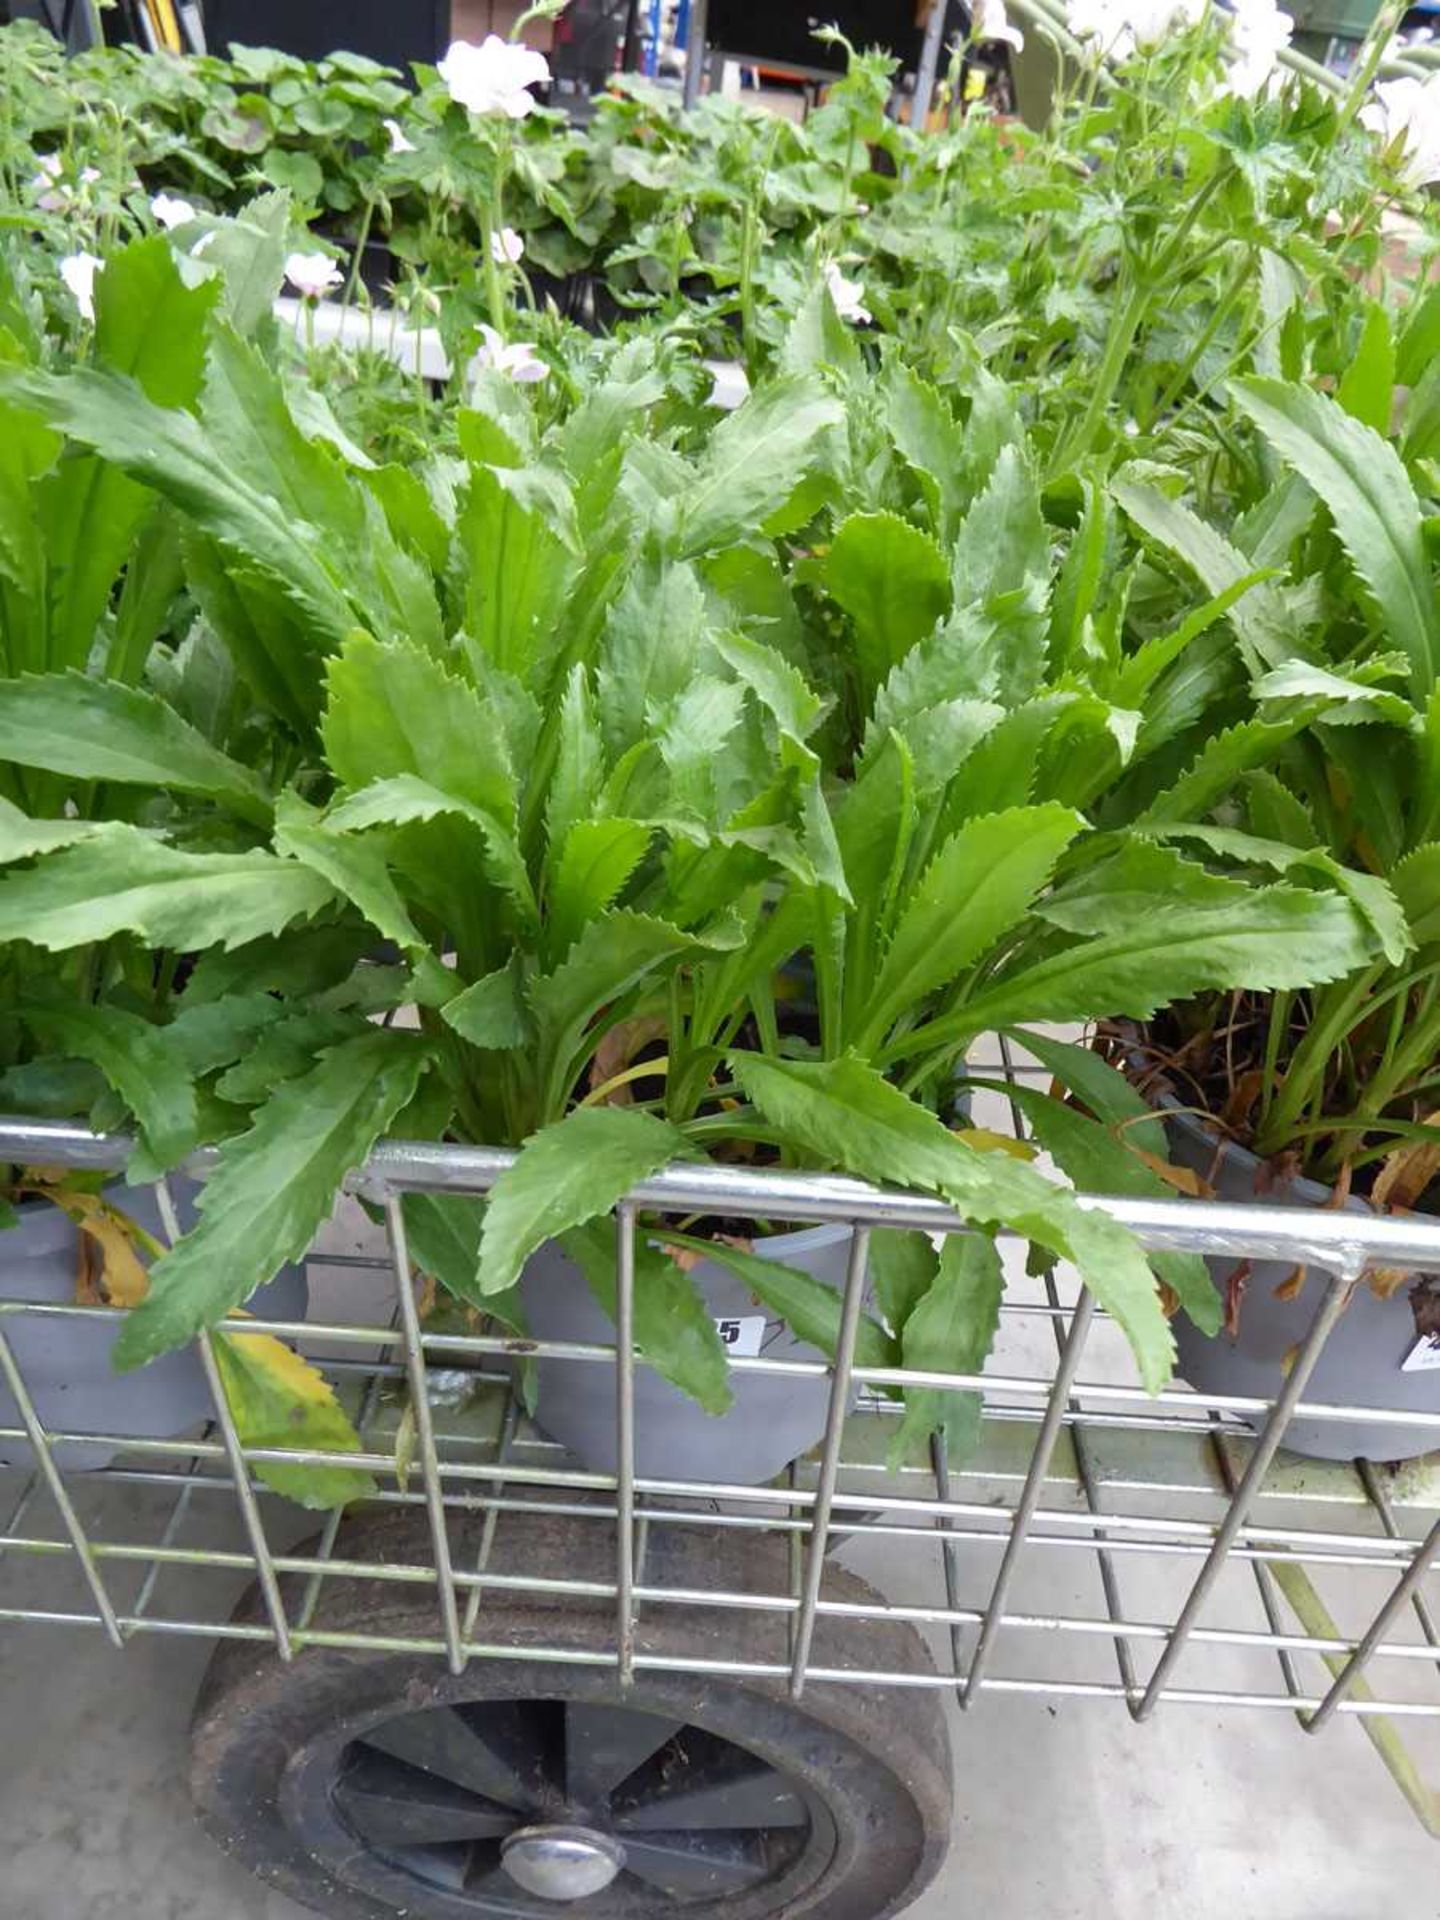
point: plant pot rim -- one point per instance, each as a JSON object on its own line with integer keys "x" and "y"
{"x": 777, "y": 1246}
{"x": 1201, "y": 1128}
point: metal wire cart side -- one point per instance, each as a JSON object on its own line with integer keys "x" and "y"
{"x": 1100, "y": 1544}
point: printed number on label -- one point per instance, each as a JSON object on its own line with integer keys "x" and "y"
{"x": 743, "y": 1336}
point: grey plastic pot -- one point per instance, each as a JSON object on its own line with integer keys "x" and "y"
{"x": 65, "y": 1360}
{"x": 775, "y": 1418}
{"x": 1360, "y": 1363}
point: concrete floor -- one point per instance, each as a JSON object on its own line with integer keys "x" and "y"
{"x": 1063, "y": 1812}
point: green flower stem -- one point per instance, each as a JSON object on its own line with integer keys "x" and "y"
{"x": 492, "y": 225}
{"x": 353, "y": 278}
{"x": 1230, "y": 298}
{"x": 1123, "y": 328}
{"x": 1381, "y": 34}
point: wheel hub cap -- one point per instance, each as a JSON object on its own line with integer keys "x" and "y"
{"x": 561, "y": 1863}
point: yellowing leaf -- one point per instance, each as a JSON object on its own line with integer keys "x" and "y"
{"x": 123, "y": 1274}
{"x": 279, "y": 1399}
{"x": 986, "y": 1141}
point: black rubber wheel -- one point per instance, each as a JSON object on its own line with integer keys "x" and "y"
{"x": 372, "y": 1784}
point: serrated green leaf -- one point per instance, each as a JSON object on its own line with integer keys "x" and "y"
{"x": 930, "y": 443}
{"x": 779, "y": 687}
{"x": 1371, "y": 894}
{"x": 673, "y": 1328}
{"x": 650, "y": 648}
{"x": 757, "y": 460}
{"x": 1099, "y": 1160}
{"x": 273, "y": 1188}
{"x": 212, "y": 1033}
{"x": 893, "y": 582}
{"x": 845, "y": 1114}
{"x": 1213, "y": 773}
{"x": 518, "y": 568}
{"x": 1360, "y": 478}
{"x": 902, "y": 1267}
{"x": 579, "y": 771}
{"x": 1002, "y": 546}
{"x": 393, "y": 709}
{"x": 596, "y": 860}
{"x": 405, "y": 798}
{"x": 285, "y": 1051}
{"x": 1367, "y": 386}
{"x": 168, "y": 449}
{"x": 491, "y": 1013}
{"x": 817, "y": 337}
{"x": 810, "y": 1308}
{"x": 354, "y": 867}
{"x": 1271, "y": 937}
{"x": 122, "y": 881}
{"x": 21, "y": 837}
{"x": 139, "y": 1060}
{"x": 565, "y": 1175}
{"x": 611, "y": 955}
{"x": 951, "y": 1330}
{"x": 978, "y": 887}
{"x": 1265, "y": 630}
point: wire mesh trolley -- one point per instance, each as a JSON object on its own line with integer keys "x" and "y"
{"x": 507, "y": 1681}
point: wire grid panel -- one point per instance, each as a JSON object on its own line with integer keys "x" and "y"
{"x": 1100, "y": 1543}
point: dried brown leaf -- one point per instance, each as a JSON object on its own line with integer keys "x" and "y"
{"x": 1386, "y": 1282}
{"x": 1405, "y": 1173}
{"x": 1293, "y": 1285}
{"x": 1246, "y": 1091}
{"x": 1235, "y": 1296}
{"x": 1183, "y": 1179}
{"x": 618, "y": 1050}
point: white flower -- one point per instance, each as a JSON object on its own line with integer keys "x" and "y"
{"x": 1120, "y": 26}
{"x": 88, "y": 176}
{"x": 993, "y": 23}
{"x": 1259, "y": 32}
{"x": 171, "y": 212}
{"x": 1406, "y": 115}
{"x": 398, "y": 141}
{"x": 50, "y": 192}
{"x": 515, "y": 357}
{"x": 506, "y": 247}
{"x": 848, "y": 296}
{"x": 495, "y": 76}
{"x": 312, "y": 274}
{"x": 78, "y": 271}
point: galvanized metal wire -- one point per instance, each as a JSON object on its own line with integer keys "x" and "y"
{"x": 1093, "y": 1520}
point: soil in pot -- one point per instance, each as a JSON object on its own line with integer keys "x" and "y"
{"x": 1267, "y": 1315}
{"x": 65, "y": 1360}
{"x": 775, "y": 1417}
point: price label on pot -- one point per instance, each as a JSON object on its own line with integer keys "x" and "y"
{"x": 744, "y": 1336}
{"x": 1422, "y": 1357}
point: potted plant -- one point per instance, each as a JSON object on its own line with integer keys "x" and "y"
{"x": 588, "y": 815}
{"x": 1325, "y": 1098}
{"x": 109, "y": 677}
